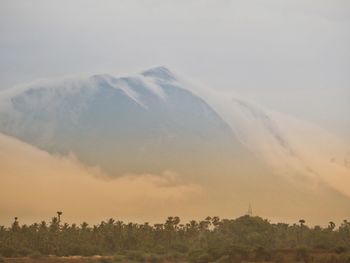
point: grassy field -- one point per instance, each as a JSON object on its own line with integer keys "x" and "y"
{"x": 281, "y": 256}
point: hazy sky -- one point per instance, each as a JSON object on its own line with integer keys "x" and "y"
{"x": 292, "y": 55}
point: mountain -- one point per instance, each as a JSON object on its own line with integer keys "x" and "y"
{"x": 156, "y": 121}
{"x": 147, "y": 122}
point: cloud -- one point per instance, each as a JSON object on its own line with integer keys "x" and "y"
{"x": 35, "y": 184}
{"x": 288, "y": 144}
{"x": 325, "y": 154}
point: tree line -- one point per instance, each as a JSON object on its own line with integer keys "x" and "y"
{"x": 210, "y": 238}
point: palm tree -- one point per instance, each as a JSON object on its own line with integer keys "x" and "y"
{"x": 215, "y": 221}
{"x": 176, "y": 220}
{"x": 331, "y": 226}
{"x": 15, "y": 225}
{"x": 59, "y": 213}
{"x": 302, "y": 223}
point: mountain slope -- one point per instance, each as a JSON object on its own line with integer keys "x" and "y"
{"x": 131, "y": 124}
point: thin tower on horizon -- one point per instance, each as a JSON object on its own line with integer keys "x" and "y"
{"x": 250, "y": 210}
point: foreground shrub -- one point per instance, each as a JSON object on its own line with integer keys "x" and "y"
{"x": 153, "y": 258}
{"x": 118, "y": 258}
{"x": 199, "y": 256}
{"x": 238, "y": 254}
{"x": 223, "y": 259}
{"x": 35, "y": 255}
{"x": 278, "y": 257}
{"x": 261, "y": 254}
{"x": 136, "y": 256}
{"x": 23, "y": 252}
{"x": 302, "y": 254}
{"x": 106, "y": 260}
{"x": 8, "y": 252}
{"x": 332, "y": 259}
{"x": 340, "y": 249}
{"x": 174, "y": 256}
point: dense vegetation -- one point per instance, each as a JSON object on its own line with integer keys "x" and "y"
{"x": 209, "y": 240}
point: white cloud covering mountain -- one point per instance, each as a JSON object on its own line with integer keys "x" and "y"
{"x": 285, "y": 142}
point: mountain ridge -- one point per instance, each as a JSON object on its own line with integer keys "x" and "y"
{"x": 155, "y": 119}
